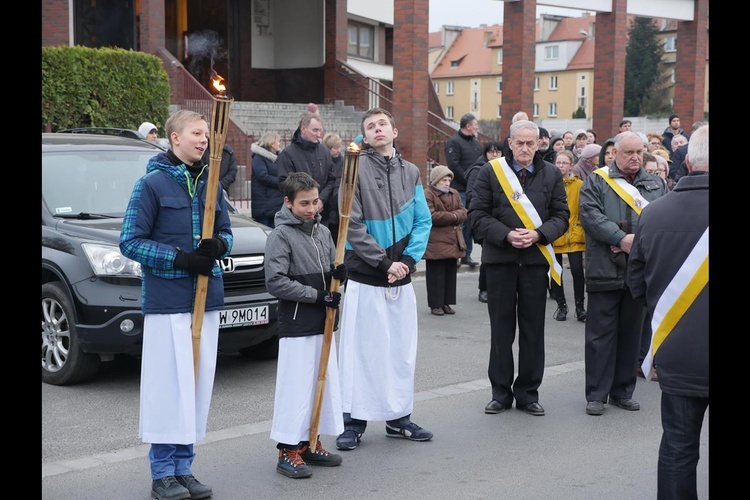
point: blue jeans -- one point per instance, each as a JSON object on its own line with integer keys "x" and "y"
{"x": 466, "y": 227}
{"x": 681, "y": 422}
{"x": 170, "y": 459}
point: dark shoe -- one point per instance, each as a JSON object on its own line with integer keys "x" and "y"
{"x": 320, "y": 456}
{"x": 533, "y": 408}
{"x": 196, "y": 488}
{"x": 437, "y": 311}
{"x": 448, "y": 310}
{"x": 595, "y": 408}
{"x": 580, "y": 311}
{"x": 291, "y": 464}
{"x": 167, "y": 488}
{"x": 410, "y": 431}
{"x": 483, "y": 296}
{"x": 562, "y": 310}
{"x": 625, "y": 403}
{"x": 348, "y": 440}
{"x": 469, "y": 262}
{"x": 495, "y": 406}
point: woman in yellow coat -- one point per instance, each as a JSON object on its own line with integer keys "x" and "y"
{"x": 572, "y": 243}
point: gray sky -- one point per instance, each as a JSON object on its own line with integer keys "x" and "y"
{"x": 472, "y": 13}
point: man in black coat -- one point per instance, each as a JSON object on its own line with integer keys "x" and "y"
{"x": 228, "y": 170}
{"x": 668, "y": 266}
{"x": 516, "y": 260}
{"x": 461, "y": 151}
{"x": 308, "y": 154}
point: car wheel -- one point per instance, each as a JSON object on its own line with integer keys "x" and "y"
{"x": 63, "y": 361}
{"x": 268, "y": 349}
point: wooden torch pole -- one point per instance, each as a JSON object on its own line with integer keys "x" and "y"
{"x": 217, "y": 137}
{"x": 347, "y": 190}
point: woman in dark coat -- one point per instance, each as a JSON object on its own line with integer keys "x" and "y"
{"x": 265, "y": 196}
{"x": 446, "y": 244}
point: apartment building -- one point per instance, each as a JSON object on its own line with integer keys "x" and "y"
{"x": 468, "y": 74}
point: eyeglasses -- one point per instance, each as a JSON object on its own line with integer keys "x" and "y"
{"x": 494, "y": 152}
{"x": 563, "y": 163}
{"x": 655, "y": 143}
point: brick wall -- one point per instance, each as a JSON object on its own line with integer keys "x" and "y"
{"x": 55, "y": 22}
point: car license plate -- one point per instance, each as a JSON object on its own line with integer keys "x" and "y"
{"x": 247, "y": 316}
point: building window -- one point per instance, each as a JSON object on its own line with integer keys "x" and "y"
{"x": 499, "y": 84}
{"x": 499, "y": 110}
{"x": 552, "y": 109}
{"x": 437, "y": 87}
{"x": 552, "y": 52}
{"x": 536, "y": 84}
{"x": 582, "y": 98}
{"x": 553, "y": 83}
{"x": 670, "y": 44}
{"x": 449, "y": 112}
{"x": 449, "y": 89}
{"x": 361, "y": 41}
{"x": 500, "y": 56}
{"x": 536, "y": 110}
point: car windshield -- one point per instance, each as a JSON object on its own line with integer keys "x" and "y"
{"x": 94, "y": 182}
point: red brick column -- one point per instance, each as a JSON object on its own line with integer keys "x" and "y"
{"x": 690, "y": 67}
{"x": 336, "y": 43}
{"x": 609, "y": 70}
{"x": 519, "y": 61}
{"x": 152, "y": 28}
{"x": 55, "y": 23}
{"x": 411, "y": 79}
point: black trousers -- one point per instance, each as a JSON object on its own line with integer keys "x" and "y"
{"x": 516, "y": 292}
{"x": 440, "y": 278}
{"x": 576, "y": 270}
{"x": 613, "y": 337}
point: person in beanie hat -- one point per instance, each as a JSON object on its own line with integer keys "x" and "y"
{"x": 149, "y": 131}
{"x": 543, "y": 141}
{"x": 446, "y": 244}
{"x": 672, "y": 130}
{"x": 588, "y": 161}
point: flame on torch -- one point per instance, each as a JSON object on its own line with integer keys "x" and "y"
{"x": 218, "y": 84}
{"x": 353, "y": 148}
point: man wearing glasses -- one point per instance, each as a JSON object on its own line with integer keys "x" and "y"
{"x": 518, "y": 208}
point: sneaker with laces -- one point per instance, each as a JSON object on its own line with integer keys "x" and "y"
{"x": 409, "y": 430}
{"x": 196, "y": 488}
{"x": 320, "y": 456}
{"x": 291, "y": 464}
{"x": 167, "y": 488}
{"x": 348, "y": 440}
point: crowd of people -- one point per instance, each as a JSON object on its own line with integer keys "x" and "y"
{"x": 538, "y": 203}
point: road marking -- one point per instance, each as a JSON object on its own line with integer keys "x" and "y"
{"x": 141, "y": 451}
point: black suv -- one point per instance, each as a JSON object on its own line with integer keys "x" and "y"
{"x": 91, "y": 293}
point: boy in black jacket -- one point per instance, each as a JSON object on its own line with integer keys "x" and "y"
{"x": 299, "y": 266}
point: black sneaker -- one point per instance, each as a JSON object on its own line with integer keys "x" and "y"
{"x": 348, "y": 440}
{"x": 410, "y": 431}
{"x": 196, "y": 488}
{"x": 167, "y": 488}
{"x": 291, "y": 464}
{"x": 320, "y": 456}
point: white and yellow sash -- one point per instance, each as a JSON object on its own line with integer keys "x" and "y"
{"x": 677, "y": 298}
{"x": 525, "y": 211}
{"x": 624, "y": 190}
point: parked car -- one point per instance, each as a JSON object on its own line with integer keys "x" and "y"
{"x": 91, "y": 293}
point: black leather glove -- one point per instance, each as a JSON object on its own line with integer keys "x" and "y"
{"x": 212, "y": 247}
{"x": 329, "y": 299}
{"x": 194, "y": 262}
{"x": 339, "y": 272}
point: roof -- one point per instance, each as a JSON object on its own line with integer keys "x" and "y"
{"x": 470, "y": 53}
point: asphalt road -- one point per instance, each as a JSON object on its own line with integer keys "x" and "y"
{"x": 90, "y": 448}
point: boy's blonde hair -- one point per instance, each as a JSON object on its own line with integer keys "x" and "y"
{"x": 179, "y": 120}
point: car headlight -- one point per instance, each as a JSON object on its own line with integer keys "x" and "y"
{"x": 106, "y": 260}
